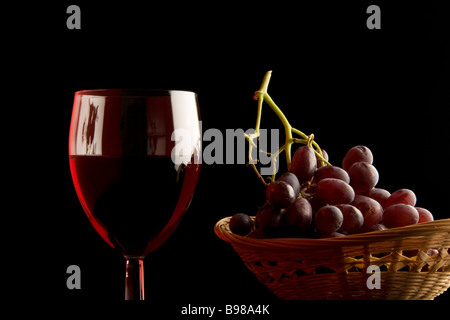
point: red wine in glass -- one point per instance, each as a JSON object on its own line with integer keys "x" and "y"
{"x": 135, "y": 160}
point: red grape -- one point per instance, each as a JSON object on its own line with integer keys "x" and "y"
{"x": 404, "y": 196}
{"x": 424, "y": 215}
{"x": 280, "y": 194}
{"x": 328, "y": 219}
{"x": 378, "y": 227}
{"x": 400, "y": 215}
{"x": 298, "y": 216}
{"x": 258, "y": 234}
{"x": 331, "y": 172}
{"x": 241, "y": 224}
{"x": 292, "y": 180}
{"x": 363, "y": 176}
{"x": 378, "y": 194}
{"x": 269, "y": 220}
{"x": 353, "y": 218}
{"x": 304, "y": 163}
{"x": 334, "y": 191}
{"x": 357, "y": 154}
{"x": 315, "y": 203}
{"x": 325, "y": 156}
{"x": 370, "y": 209}
{"x": 332, "y": 235}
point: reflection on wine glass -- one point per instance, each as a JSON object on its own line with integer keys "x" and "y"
{"x": 133, "y": 179}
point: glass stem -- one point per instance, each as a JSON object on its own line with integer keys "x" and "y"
{"x": 134, "y": 278}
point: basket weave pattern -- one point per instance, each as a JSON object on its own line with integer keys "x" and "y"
{"x": 335, "y": 268}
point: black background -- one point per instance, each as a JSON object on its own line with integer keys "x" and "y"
{"x": 387, "y": 89}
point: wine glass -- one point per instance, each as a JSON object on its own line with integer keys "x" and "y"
{"x": 135, "y": 161}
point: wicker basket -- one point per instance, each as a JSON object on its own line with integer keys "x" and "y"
{"x": 336, "y": 268}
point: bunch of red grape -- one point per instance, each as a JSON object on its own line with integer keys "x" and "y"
{"x": 314, "y": 201}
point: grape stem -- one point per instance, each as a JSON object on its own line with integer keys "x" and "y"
{"x": 262, "y": 96}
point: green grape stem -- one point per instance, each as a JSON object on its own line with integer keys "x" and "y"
{"x": 262, "y": 96}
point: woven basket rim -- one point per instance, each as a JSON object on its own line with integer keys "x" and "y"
{"x": 423, "y": 229}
